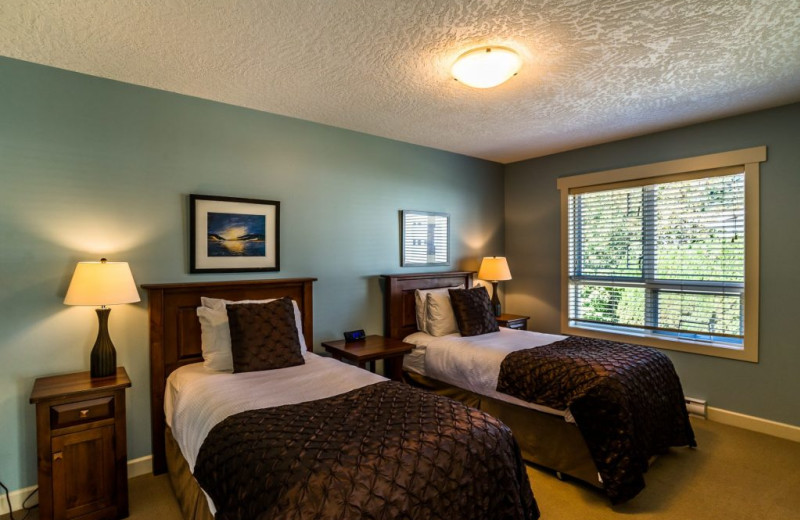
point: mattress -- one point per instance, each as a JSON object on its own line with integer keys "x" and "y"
{"x": 414, "y": 361}
{"x": 473, "y": 363}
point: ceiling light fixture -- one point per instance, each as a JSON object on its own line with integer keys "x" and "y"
{"x": 486, "y": 67}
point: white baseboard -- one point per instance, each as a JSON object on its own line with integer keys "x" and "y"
{"x": 136, "y": 468}
{"x": 16, "y": 498}
{"x": 140, "y": 466}
{"x": 756, "y": 424}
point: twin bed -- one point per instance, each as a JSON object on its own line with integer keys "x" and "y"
{"x": 318, "y": 439}
{"x": 595, "y": 410}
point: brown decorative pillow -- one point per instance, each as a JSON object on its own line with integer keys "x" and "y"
{"x": 264, "y": 336}
{"x": 473, "y": 311}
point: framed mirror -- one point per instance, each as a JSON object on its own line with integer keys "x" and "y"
{"x": 424, "y": 238}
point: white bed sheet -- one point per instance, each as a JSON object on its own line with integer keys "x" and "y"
{"x": 198, "y": 398}
{"x": 414, "y": 361}
{"x": 473, "y": 362}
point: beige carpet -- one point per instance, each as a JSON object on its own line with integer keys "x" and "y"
{"x": 733, "y": 474}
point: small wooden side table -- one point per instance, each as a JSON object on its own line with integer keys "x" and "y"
{"x": 82, "y": 452}
{"x": 513, "y": 321}
{"x": 391, "y": 351}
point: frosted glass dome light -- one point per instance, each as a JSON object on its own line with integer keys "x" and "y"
{"x": 486, "y": 67}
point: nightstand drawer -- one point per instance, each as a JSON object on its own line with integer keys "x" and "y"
{"x": 80, "y": 412}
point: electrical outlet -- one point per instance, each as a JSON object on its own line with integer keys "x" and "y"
{"x": 696, "y": 407}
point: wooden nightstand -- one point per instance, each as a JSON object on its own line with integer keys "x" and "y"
{"x": 369, "y": 349}
{"x": 513, "y": 321}
{"x": 81, "y": 445}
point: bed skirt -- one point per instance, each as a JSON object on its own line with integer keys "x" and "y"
{"x": 192, "y": 500}
{"x": 544, "y": 439}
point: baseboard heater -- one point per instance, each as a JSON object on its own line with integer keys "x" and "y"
{"x": 696, "y": 407}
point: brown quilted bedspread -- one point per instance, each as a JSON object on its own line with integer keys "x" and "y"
{"x": 385, "y": 451}
{"x": 627, "y": 402}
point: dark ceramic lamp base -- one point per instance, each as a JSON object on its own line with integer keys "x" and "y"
{"x": 103, "y": 357}
{"x": 495, "y": 300}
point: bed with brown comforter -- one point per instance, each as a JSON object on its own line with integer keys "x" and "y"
{"x": 382, "y": 451}
{"x": 626, "y": 399}
{"x": 620, "y": 404}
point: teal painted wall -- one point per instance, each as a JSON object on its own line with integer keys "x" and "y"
{"x": 769, "y": 389}
{"x": 92, "y": 167}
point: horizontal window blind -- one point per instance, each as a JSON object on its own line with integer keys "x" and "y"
{"x": 665, "y": 257}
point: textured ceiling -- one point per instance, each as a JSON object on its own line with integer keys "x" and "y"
{"x": 594, "y": 70}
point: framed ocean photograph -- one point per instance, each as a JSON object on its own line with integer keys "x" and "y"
{"x": 424, "y": 238}
{"x": 230, "y": 235}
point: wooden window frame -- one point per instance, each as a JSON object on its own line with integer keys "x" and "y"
{"x": 749, "y": 160}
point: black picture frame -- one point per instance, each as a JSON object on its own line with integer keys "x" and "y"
{"x": 424, "y": 238}
{"x": 233, "y": 234}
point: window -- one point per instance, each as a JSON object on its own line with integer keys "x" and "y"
{"x": 667, "y": 253}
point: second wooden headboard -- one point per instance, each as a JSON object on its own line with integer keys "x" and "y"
{"x": 400, "y": 318}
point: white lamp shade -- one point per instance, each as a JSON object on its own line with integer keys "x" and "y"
{"x": 486, "y": 67}
{"x": 102, "y": 283}
{"x": 494, "y": 269}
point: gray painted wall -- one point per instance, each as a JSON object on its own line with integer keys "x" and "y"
{"x": 769, "y": 389}
{"x": 93, "y": 168}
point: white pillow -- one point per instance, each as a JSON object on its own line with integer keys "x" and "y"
{"x": 215, "y": 339}
{"x": 441, "y": 320}
{"x": 215, "y": 332}
{"x": 420, "y": 297}
{"x": 218, "y": 303}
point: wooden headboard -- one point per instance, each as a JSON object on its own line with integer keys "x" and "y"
{"x": 400, "y": 318}
{"x": 175, "y": 332}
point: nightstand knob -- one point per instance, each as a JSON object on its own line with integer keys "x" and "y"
{"x": 84, "y": 413}
{"x": 57, "y": 456}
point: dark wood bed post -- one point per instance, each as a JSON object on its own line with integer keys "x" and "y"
{"x": 400, "y": 318}
{"x": 158, "y": 380}
{"x": 175, "y": 332}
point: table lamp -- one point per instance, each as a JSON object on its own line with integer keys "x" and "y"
{"x": 102, "y": 283}
{"x": 494, "y": 269}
